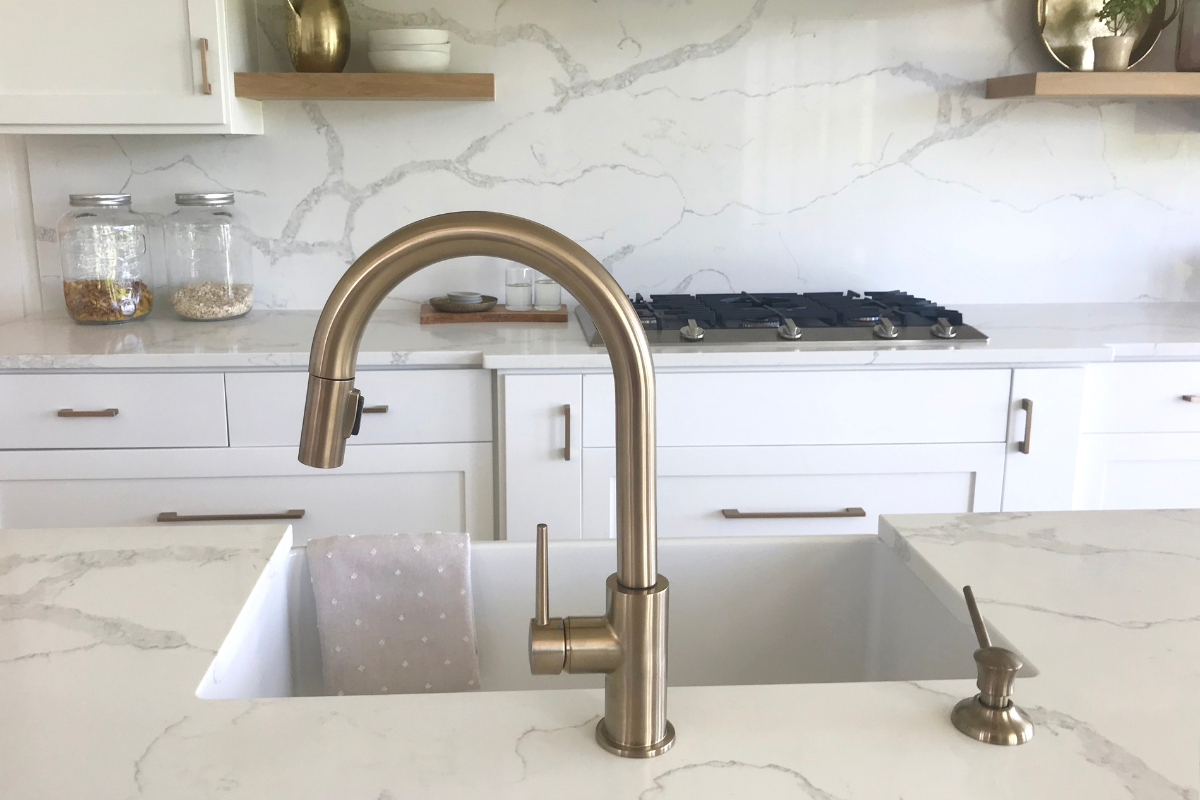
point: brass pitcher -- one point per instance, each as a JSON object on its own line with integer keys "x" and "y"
{"x": 318, "y": 35}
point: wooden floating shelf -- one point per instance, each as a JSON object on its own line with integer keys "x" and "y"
{"x": 1096, "y": 84}
{"x": 365, "y": 85}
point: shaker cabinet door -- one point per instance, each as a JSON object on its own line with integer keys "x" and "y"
{"x": 542, "y": 457}
{"x": 153, "y": 66}
{"x": 1138, "y": 471}
{"x": 1043, "y": 439}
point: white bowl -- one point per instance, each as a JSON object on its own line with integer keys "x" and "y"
{"x": 389, "y": 36}
{"x": 409, "y": 61}
{"x": 415, "y": 48}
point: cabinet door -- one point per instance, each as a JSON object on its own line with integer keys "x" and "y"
{"x": 132, "y": 66}
{"x": 1138, "y": 470}
{"x": 697, "y": 484}
{"x": 381, "y": 488}
{"x": 1043, "y": 439}
{"x": 540, "y": 436}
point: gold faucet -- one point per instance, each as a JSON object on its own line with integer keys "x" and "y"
{"x": 629, "y": 643}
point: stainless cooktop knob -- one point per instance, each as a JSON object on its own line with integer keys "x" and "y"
{"x": 788, "y": 331}
{"x": 886, "y": 329}
{"x": 942, "y": 329}
{"x": 692, "y": 332}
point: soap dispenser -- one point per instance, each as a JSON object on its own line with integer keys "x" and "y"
{"x": 991, "y": 716}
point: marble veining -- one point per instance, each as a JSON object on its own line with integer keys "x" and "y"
{"x": 703, "y": 146}
{"x": 1115, "y": 704}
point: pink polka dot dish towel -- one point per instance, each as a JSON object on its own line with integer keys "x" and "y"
{"x": 394, "y": 613}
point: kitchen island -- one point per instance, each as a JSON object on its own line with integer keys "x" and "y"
{"x": 105, "y": 635}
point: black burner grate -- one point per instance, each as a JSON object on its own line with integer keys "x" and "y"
{"x": 747, "y": 310}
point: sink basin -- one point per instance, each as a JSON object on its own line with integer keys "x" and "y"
{"x": 762, "y": 610}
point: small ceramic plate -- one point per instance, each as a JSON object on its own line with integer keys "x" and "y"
{"x": 442, "y": 304}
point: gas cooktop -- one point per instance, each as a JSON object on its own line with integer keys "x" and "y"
{"x": 843, "y": 320}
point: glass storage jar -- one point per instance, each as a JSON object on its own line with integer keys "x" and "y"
{"x": 208, "y": 258}
{"x": 102, "y": 243}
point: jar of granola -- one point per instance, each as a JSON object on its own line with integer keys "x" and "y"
{"x": 102, "y": 244}
{"x": 208, "y": 256}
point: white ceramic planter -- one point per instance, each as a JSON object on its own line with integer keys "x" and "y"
{"x": 1112, "y": 53}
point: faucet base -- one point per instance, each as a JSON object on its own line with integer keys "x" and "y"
{"x": 627, "y": 751}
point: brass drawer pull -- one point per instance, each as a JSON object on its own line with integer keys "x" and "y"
{"x": 1023, "y": 445}
{"x": 733, "y": 513}
{"x": 205, "y": 86}
{"x": 375, "y": 409}
{"x": 1191, "y": 398}
{"x": 567, "y": 448}
{"x": 70, "y": 412}
{"x": 172, "y": 516}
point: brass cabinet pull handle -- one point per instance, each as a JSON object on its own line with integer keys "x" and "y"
{"x": 1191, "y": 398}
{"x": 567, "y": 417}
{"x": 375, "y": 409}
{"x": 1027, "y": 406}
{"x": 70, "y": 412}
{"x": 205, "y": 86}
{"x": 733, "y": 513}
{"x": 171, "y": 516}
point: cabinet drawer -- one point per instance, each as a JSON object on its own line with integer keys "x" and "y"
{"x": 798, "y": 408}
{"x": 150, "y": 411}
{"x": 265, "y": 408}
{"x": 696, "y": 485}
{"x": 381, "y": 489}
{"x": 1141, "y": 398}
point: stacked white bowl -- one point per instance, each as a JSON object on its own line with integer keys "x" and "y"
{"x": 409, "y": 50}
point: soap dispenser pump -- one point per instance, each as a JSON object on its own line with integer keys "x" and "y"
{"x": 991, "y": 716}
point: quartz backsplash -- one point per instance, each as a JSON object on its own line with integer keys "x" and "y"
{"x": 701, "y": 146}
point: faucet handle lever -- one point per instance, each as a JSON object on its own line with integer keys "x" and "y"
{"x": 542, "y": 602}
{"x": 547, "y": 637}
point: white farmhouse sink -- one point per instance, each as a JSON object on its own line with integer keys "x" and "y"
{"x": 758, "y": 610}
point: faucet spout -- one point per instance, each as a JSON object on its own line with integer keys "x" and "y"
{"x": 629, "y": 643}
{"x": 329, "y": 411}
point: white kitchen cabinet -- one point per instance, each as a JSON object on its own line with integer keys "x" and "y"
{"x": 380, "y": 489}
{"x": 1138, "y": 471}
{"x": 401, "y": 406}
{"x": 1142, "y": 398}
{"x": 134, "y": 66}
{"x": 542, "y": 467}
{"x": 1140, "y": 446}
{"x": 1043, "y": 439}
{"x": 112, "y": 410}
{"x": 827, "y": 407}
{"x": 697, "y": 484}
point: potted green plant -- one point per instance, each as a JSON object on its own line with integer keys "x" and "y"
{"x": 1121, "y": 17}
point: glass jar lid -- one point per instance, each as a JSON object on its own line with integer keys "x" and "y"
{"x": 204, "y": 199}
{"x": 94, "y": 200}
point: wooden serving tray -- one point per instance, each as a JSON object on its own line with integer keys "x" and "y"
{"x": 498, "y": 314}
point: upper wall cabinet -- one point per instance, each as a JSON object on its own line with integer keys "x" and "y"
{"x": 135, "y": 66}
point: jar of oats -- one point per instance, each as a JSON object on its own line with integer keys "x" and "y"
{"x": 102, "y": 244}
{"x": 208, "y": 258}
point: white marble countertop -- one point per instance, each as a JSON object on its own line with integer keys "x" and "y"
{"x": 1020, "y": 334}
{"x": 105, "y": 634}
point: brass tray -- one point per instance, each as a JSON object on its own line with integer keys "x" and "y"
{"x": 1068, "y": 27}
